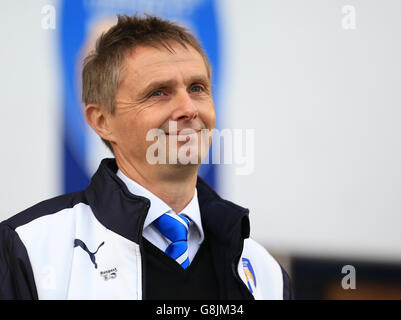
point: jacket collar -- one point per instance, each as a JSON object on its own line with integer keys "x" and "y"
{"x": 124, "y": 213}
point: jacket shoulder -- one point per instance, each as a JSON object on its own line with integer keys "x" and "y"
{"x": 46, "y": 207}
{"x": 27, "y": 240}
{"x": 269, "y": 279}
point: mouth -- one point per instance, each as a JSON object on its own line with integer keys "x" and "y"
{"x": 183, "y": 132}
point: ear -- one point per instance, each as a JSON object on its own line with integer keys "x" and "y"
{"x": 99, "y": 119}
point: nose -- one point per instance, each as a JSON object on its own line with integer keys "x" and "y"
{"x": 185, "y": 108}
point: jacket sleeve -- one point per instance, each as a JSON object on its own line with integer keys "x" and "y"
{"x": 16, "y": 275}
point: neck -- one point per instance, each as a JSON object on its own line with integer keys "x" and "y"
{"x": 175, "y": 185}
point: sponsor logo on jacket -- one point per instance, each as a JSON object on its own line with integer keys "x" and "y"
{"x": 109, "y": 274}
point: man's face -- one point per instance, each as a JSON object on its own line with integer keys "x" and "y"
{"x": 157, "y": 87}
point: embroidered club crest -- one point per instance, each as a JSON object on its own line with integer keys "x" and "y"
{"x": 249, "y": 274}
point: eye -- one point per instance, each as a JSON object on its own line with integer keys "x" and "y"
{"x": 196, "y": 88}
{"x": 157, "y": 93}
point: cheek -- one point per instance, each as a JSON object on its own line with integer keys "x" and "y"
{"x": 126, "y": 132}
{"x": 208, "y": 116}
{"x": 133, "y": 131}
{"x": 213, "y": 118}
{"x": 123, "y": 128}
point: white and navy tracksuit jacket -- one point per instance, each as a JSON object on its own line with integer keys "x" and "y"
{"x": 88, "y": 245}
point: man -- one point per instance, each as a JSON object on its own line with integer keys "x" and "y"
{"x": 143, "y": 229}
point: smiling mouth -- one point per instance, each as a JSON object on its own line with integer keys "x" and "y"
{"x": 183, "y": 132}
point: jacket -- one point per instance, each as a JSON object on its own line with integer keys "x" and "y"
{"x": 88, "y": 245}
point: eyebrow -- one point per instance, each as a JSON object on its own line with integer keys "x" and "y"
{"x": 172, "y": 82}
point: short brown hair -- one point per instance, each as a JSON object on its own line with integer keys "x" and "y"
{"x": 101, "y": 74}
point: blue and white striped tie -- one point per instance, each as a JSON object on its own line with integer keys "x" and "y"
{"x": 175, "y": 228}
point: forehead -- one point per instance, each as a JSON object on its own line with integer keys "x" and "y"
{"x": 146, "y": 63}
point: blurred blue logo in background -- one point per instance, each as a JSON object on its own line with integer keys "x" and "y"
{"x": 81, "y": 22}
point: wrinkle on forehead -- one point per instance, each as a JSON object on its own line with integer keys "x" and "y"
{"x": 152, "y": 57}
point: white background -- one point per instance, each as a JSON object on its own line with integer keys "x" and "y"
{"x": 30, "y": 110}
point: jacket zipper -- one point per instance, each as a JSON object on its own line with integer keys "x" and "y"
{"x": 141, "y": 252}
